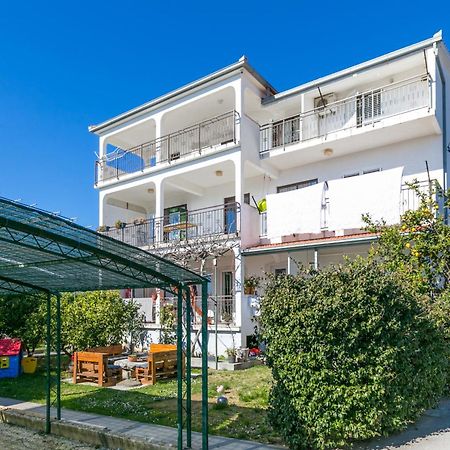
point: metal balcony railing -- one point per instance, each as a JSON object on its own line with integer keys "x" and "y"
{"x": 263, "y": 224}
{"x": 220, "y": 221}
{"x": 193, "y": 140}
{"x": 226, "y": 309}
{"x": 356, "y": 111}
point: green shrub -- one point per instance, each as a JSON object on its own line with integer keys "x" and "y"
{"x": 353, "y": 355}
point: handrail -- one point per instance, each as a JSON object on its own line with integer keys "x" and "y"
{"x": 363, "y": 108}
{"x": 216, "y": 220}
{"x": 168, "y": 136}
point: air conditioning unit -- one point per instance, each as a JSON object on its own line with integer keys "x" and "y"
{"x": 321, "y": 103}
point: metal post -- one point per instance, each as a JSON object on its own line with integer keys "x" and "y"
{"x": 204, "y": 366}
{"x": 58, "y": 356}
{"x": 188, "y": 371}
{"x": 215, "y": 313}
{"x": 48, "y": 365}
{"x": 180, "y": 367}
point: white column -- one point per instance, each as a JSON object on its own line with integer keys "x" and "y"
{"x": 316, "y": 259}
{"x": 292, "y": 268}
{"x": 101, "y": 209}
{"x": 238, "y": 285}
{"x": 159, "y": 209}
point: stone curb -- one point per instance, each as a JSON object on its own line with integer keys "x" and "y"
{"x": 92, "y": 435}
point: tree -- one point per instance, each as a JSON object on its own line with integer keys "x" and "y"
{"x": 20, "y": 316}
{"x": 97, "y": 319}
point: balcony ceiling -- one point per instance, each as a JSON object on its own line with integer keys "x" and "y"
{"x": 290, "y": 106}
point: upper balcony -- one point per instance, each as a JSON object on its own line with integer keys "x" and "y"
{"x": 189, "y": 143}
{"x": 332, "y": 119}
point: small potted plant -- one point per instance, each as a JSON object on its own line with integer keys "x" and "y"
{"x": 102, "y": 228}
{"x": 231, "y": 354}
{"x": 139, "y": 221}
{"x": 250, "y": 284}
{"x": 119, "y": 224}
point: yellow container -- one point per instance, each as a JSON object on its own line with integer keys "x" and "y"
{"x": 29, "y": 364}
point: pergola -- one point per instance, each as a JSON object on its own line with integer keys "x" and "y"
{"x": 41, "y": 252}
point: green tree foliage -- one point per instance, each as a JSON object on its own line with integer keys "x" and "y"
{"x": 168, "y": 321}
{"x": 89, "y": 319}
{"x": 96, "y": 319}
{"x": 353, "y": 354}
{"x": 20, "y": 316}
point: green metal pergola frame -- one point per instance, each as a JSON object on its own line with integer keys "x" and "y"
{"x": 42, "y": 253}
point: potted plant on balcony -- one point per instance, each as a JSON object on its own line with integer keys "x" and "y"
{"x": 250, "y": 284}
{"x": 231, "y": 354}
{"x": 139, "y": 221}
{"x": 119, "y": 224}
{"x": 102, "y": 228}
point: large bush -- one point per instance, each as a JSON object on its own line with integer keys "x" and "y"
{"x": 353, "y": 355}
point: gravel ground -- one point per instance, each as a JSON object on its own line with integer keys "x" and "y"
{"x": 18, "y": 438}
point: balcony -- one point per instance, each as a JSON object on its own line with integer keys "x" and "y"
{"x": 221, "y": 221}
{"x": 355, "y": 112}
{"x": 190, "y": 142}
{"x": 338, "y": 207}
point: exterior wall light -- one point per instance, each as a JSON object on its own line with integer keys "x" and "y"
{"x": 328, "y": 152}
{"x": 219, "y": 173}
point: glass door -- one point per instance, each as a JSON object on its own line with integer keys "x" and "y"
{"x": 175, "y": 220}
{"x": 230, "y": 215}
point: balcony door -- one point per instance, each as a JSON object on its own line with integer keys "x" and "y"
{"x": 230, "y": 215}
{"x": 175, "y": 221}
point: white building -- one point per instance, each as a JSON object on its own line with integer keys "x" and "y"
{"x": 189, "y": 168}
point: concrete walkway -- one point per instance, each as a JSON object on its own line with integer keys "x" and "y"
{"x": 150, "y": 436}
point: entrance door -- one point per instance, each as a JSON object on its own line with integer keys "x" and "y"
{"x": 230, "y": 215}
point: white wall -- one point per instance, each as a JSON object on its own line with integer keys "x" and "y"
{"x": 411, "y": 154}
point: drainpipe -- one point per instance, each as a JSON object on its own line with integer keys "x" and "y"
{"x": 444, "y": 124}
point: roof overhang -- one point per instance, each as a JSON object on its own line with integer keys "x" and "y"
{"x": 339, "y": 241}
{"x": 406, "y": 51}
{"x": 227, "y": 71}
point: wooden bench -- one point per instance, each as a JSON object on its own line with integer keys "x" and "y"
{"x": 93, "y": 366}
{"x": 161, "y": 363}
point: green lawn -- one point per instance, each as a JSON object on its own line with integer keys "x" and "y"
{"x": 244, "y": 418}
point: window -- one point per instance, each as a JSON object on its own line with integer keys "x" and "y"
{"x": 298, "y": 185}
{"x": 247, "y": 198}
{"x": 364, "y": 172}
{"x": 368, "y": 107}
{"x": 371, "y": 171}
{"x": 286, "y": 131}
{"x": 281, "y": 271}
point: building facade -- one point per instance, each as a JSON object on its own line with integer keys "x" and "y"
{"x": 234, "y": 179}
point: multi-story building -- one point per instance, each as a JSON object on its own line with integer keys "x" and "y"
{"x": 228, "y": 174}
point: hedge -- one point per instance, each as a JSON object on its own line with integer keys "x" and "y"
{"x": 353, "y": 355}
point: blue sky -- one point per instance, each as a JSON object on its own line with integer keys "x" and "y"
{"x": 65, "y": 65}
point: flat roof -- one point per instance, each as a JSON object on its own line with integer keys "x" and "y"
{"x": 40, "y": 251}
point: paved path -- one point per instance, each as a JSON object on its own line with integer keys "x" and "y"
{"x": 430, "y": 432}
{"x": 136, "y": 430}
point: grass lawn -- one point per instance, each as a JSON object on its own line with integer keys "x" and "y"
{"x": 244, "y": 418}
